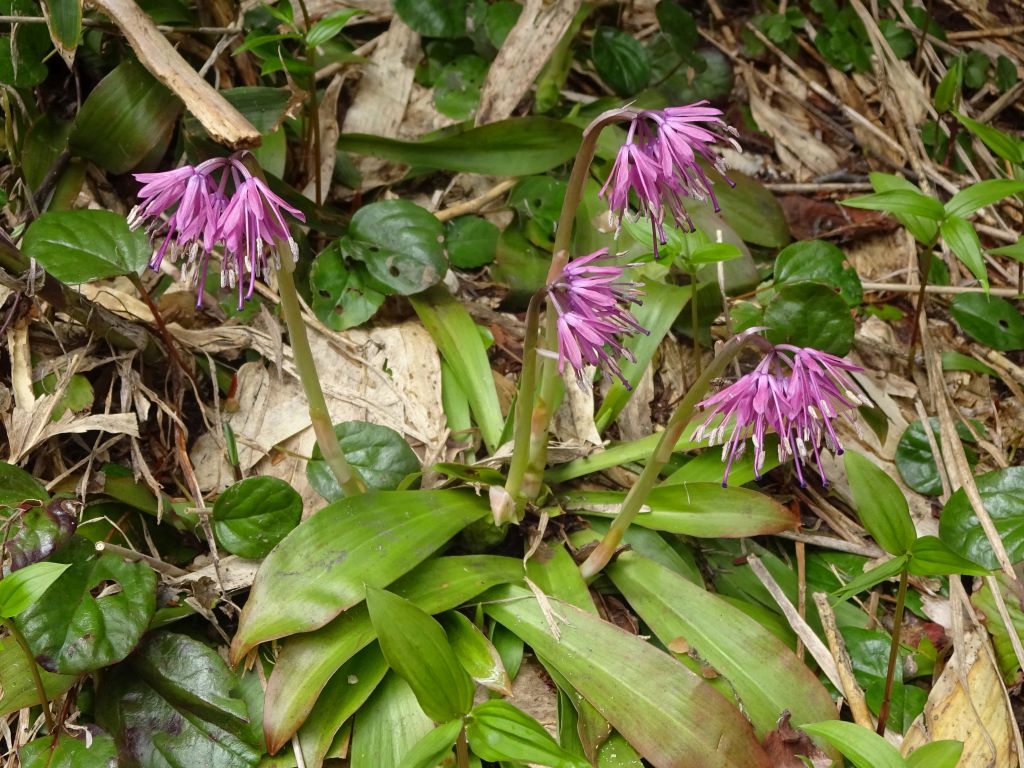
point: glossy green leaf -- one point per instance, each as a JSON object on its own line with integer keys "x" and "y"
{"x": 961, "y": 238}
{"x": 678, "y": 25}
{"x": 475, "y": 653}
{"x": 19, "y": 690}
{"x": 864, "y": 747}
{"x": 749, "y": 208}
{"x": 970, "y": 199}
{"x": 458, "y": 340}
{"x": 432, "y": 749}
{"x": 1002, "y": 493}
{"x": 64, "y": 20}
{"x": 72, "y": 631}
{"x": 329, "y": 26}
{"x": 400, "y": 244}
{"x": 672, "y": 717}
{"x": 936, "y": 754}
{"x": 880, "y": 504}
{"x": 931, "y": 557}
{"x": 472, "y": 241}
{"x": 498, "y": 731}
{"x": 84, "y": 245}
{"x": 818, "y": 261}
{"x": 705, "y": 510}
{"x": 727, "y": 639}
{"x": 914, "y": 459}
{"x": 458, "y": 84}
{"x": 25, "y": 586}
{"x": 69, "y": 752}
{"x": 307, "y": 662}
{"x": 872, "y": 577}
{"x": 379, "y": 453}
{"x": 923, "y": 228}
{"x": 433, "y": 18}
{"x": 323, "y": 566}
{"x": 662, "y": 305}
{"x": 620, "y": 60}
{"x": 125, "y": 118}
{"x": 17, "y": 485}
{"x": 991, "y": 320}
{"x": 341, "y": 698}
{"x": 810, "y": 315}
{"x": 173, "y": 704}
{"x": 417, "y": 648}
{"x": 41, "y": 531}
{"x": 253, "y": 515}
{"x": 388, "y": 726}
{"x": 514, "y": 147}
{"x": 343, "y": 296}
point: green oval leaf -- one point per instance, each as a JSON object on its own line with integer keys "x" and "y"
{"x": 72, "y": 631}
{"x": 931, "y": 557}
{"x": 416, "y": 647}
{"x": 472, "y": 241}
{"x": 457, "y": 89}
{"x": 128, "y": 115}
{"x": 381, "y": 455}
{"x": 342, "y": 295}
{"x": 85, "y": 245}
{"x": 1002, "y": 492}
{"x": 706, "y": 510}
{"x": 818, "y": 261}
{"x": 880, "y": 504}
{"x": 400, "y": 243}
{"x": 498, "y": 731}
{"x": 991, "y": 320}
{"x": 25, "y": 586}
{"x": 620, "y": 60}
{"x": 915, "y": 461}
{"x": 253, "y": 515}
{"x": 864, "y": 747}
{"x": 810, "y": 315}
{"x": 323, "y": 566}
{"x": 433, "y": 18}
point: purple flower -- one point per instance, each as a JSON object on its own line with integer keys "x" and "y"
{"x": 591, "y": 300}
{"x": 658, "y": 163}
{"x": 200, "y": 214}
{"x": 796, "y": 392}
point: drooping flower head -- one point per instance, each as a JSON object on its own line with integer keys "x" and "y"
{"x": 591, "y": 299}
{"x": 658, "y": 164}
{"x": 191, "y": 209}
{"x": 797, "y": 392}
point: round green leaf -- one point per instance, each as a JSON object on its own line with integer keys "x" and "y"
{"x": 810, "y": 315}
{"x": 991, "y": 320}
{"x": 341, "y": 297}
{"x": 433, "y": 18}
{"x": 72, "y": 630}
{"x": 472, "y": 242}
{"x": 83, "y": 245}
{"x": 915, "y": 461}
{"x": 1002, "y": 492}
{"x": 501, "y": 17}
{"x": 457, "y": 90}
{"x": 253, "y": 515}
{"x": 381, "y": 455}
{"x": 400, "y": 243}
{"x": 818, "y": 261}
{"x": 620, "y": 60}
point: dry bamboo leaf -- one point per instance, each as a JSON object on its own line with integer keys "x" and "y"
{"x": 804, "y": 155}
{"x": 524, "y": 52}
{"x": 574, "y": 420}
{"x": 328, "y": 121}
{"x": 635, "y": 419}
{"x": 968, "y": 704}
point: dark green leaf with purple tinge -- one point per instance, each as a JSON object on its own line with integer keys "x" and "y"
{"x": 41, "y": 531}
{"x": 16, "y": 486}
{"x": 70, "y": 752}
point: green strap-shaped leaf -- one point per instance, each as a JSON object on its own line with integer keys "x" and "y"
{"x": 24, "y": 587}
{"x": 727, "y": 639}
{"x": 900, "y": 201}
{"x": 432, "y": 749}
{"x": 388, "y": 727}
{"x": 670, "y": 715}
{"x": 962, "y": 240}
{"x": 417, "y": 648}
{"x": 497, "y": 731}
{"x": 968, "y": 200}
{"x": 323, "y": 566}
{"x": 476, "y": 653}
{"x": 864, "y": 747}
{"x": 880, "y": 503}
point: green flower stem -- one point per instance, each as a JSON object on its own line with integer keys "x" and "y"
{"x": 695, "y": 320}
{"x": 348, "y": 478}
{"x": 925, "y": 268}
{"x": 36, "y": 677}
{"x": 524, "y": 407}
{"x": 631, "y": 505}
{"x": 894, "y": 652}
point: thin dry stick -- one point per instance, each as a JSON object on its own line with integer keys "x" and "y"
{"x": 130, "y": 554}
{"x": 475, "y": 204}
{"x": 942, "y": 290}
{"x": 802, "y": 629}
{"x": 851, "y": 690}
{"x": 801, "y": 594}
{"x": 832, "y": 542}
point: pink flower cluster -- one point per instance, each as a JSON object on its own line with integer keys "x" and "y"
{"x": 250, "y": 222}
{"x": 658, "y": 164}
{"x": 796, "y": 392}
{"x": 591, "y": 301}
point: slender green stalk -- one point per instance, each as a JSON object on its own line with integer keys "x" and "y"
{"x": 925, "y": 268}
{"x": 695, "y": 320}
{"x": 894, "y": 653}
{"x": 631, "y": 505}
{"x": 524, "y": 408}
{"x": 348, "y": 478}
{"x": 36, "y": 677}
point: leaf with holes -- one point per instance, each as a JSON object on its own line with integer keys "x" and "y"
{"x": 93, "y": 615}
{"x": 343, "y": 296}
{"x": 400, "y": 243}
{"x": 991, "y": 320}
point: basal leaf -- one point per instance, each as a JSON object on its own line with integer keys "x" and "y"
{"x": 253, "y": 515}
{"x": 498, "y": 731}
{"x": 388, "y": 726}
{"x": 84, "y": 245}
